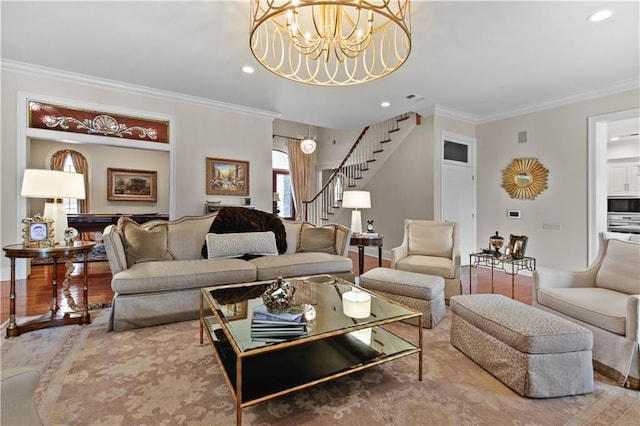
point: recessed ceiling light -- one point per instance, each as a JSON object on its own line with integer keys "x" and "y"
{"x": 614, "y": 139}
{"x": 247, "y": 69}
{"x": 600, "y": 15}
{"x": 385, "y": 104}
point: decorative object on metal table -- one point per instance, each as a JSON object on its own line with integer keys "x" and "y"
{"x": 524, "y": 178}
{"x": 278, "y": 296}
{"x": 496, "y": 241}
{"x": 70, "y": 235}
{"x": 38, "y": 232}
{"x": 517, "y": 245}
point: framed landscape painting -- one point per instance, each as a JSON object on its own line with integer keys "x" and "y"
{"x": 132, "y": 185}
{"x": 227, "y": 177}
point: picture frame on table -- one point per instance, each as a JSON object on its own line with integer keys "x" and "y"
{"x": 38, "y": 232}
{"x": 517, "y": 246}
{"x": 227, "y": 177}
{"x": 132, "y": 185}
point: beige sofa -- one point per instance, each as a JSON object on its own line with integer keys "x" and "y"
{"x": 605, "y": 298}
{"x": 166, "y": 287}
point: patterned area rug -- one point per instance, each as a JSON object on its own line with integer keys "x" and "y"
{"x": 162, "y": 376}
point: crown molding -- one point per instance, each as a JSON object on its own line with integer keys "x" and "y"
{"x": 40, "y": 71}
{"x": 621, "y": 86}
{"x": 443, "y": 111}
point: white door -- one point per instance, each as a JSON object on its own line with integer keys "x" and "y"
{"x": 459, "y": 189}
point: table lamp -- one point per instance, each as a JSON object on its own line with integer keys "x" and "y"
{"x": 38, "y": 183}
{"x": 356, "y": 200}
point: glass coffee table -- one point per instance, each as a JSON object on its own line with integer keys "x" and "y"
{"x": 332, "y": 346}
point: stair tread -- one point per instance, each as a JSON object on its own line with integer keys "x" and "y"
{"x": 385, "y": 141}
{"x": 402, "y": 118}
{"x": 394, "y": 130}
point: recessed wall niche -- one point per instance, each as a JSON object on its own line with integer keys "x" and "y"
{"x": 101, "y": 157}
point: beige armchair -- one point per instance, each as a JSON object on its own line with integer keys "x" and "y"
{"x": 17, "y": 389}
{"x": 605, "y": 298}
{"x": 431, "y": 247}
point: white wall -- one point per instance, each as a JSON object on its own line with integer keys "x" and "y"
{"x": 557, "y": 137}
{"x": 201, "y": 131}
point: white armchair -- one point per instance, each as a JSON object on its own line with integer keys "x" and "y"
{"x": 17, "y": 389}
{"x": 432, "y": 248}
{"x": 605, "y": 298}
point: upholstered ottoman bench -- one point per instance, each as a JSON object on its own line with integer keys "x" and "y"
{"x": 535, "y": 353}
{"x": 421, "y": 292}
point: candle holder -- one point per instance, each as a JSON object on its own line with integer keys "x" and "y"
{"x": 356, "y": 303}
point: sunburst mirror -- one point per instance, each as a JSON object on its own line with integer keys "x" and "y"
{"x": 525, "y": 178}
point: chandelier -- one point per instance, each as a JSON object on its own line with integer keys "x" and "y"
{"x": 331, "y": 42}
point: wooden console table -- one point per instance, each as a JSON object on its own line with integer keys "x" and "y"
{"x": 95, "y": 222}
{"x": 54, "y": 317}
{"x": 363, "y": 241}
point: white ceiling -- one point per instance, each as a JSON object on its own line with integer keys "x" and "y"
{"x": 482, "y": 59}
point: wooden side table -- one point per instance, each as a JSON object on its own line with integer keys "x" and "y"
{"x": 53, "y": 317}
{"x": 363, "y": 241}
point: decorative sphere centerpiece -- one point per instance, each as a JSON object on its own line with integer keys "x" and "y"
{"x": 496, "y": 242}
{"x": 278, "y": 296}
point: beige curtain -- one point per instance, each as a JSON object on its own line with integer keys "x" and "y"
{"x": 80, "y": 164}
{"x": 301, "y": 167}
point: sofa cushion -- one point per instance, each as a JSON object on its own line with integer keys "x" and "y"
{"x": 292, "y": 230}
{"x": 240, "y": 219}
{"x": 144, "y": 244}
{"x": 186, "y": 234}
{"x": 320, "y": 240}
{"x": 301, "y": 264}
{"x": 430, "y": 265}
{"x": 172, "y": 275}
{"x": 223, "y": 246}
{"x": 620, "y": 269}
{"x": 599, "y": 307}
{"x": 433, "y": 239}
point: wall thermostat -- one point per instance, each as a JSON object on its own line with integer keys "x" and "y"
{"x": 513, "y": 214}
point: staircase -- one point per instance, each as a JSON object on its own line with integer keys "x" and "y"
{"x": 372, "y": 147}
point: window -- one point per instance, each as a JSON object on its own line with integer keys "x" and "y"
{"x": 282, "y": 185}
{"x": 71, "y": 204}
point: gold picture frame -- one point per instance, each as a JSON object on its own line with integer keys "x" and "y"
{"x": 38, "y": 232}
{"x": 227, "y": 177}
{"x": 525, "y": 178}
{"x": 132, "y": 185}
{"x": 517, "y": 246}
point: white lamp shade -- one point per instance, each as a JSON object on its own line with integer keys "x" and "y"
{"x": 39, "y": 183}
{"x": 356, "y": 199}
{"x": 356, "y": 304}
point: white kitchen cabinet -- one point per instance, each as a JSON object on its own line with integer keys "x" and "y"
{"x": 624, "y": 179}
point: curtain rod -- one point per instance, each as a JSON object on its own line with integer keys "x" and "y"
{"x": 287, "y": 137}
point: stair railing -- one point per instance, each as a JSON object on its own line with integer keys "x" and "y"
{"x": 345, "y": 176}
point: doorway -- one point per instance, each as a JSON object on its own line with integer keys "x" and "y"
{"x": 459, "y": 189}
{"x": 597, "y": 175}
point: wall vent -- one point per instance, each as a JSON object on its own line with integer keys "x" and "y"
{"x": 522, "y": 136}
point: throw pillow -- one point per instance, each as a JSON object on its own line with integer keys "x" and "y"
{"x": 240, "y": 219}
{"x": 144, "y": 244}
{"x": 322, "y": 239}
{"x": 224, "y": 246}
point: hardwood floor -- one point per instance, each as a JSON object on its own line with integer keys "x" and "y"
{"x": 33, "y": 296}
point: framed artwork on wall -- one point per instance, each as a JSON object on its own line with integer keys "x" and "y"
{"x": 227, "y": 177}
{"x": 132, "y": 185}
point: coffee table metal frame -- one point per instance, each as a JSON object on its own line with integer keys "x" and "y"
{"x": 259, "y": 373}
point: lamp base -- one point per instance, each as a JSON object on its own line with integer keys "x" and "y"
{"x": 356, "y": 222}
{"x": 58, "y": 213}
